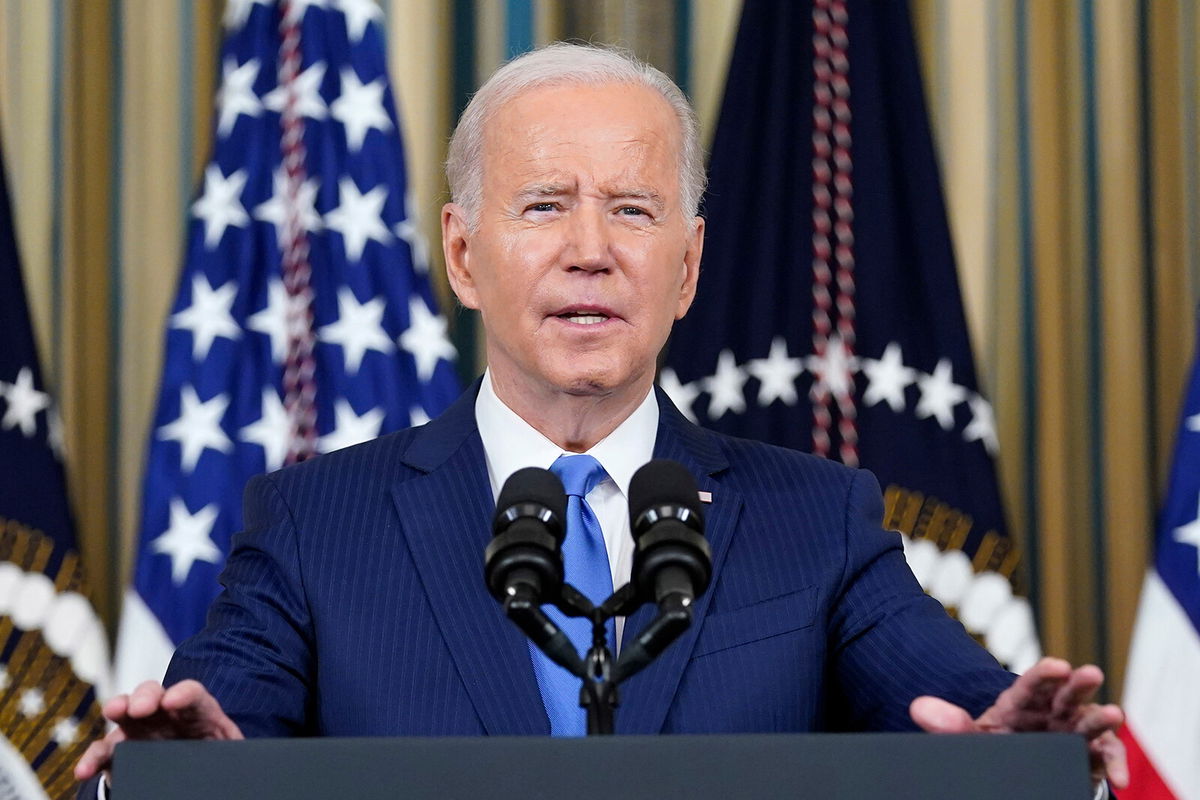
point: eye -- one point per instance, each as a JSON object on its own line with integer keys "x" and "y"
{"x": 631, "y": 211}
{"x": 541, "y": 207}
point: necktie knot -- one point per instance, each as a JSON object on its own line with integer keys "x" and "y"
{"x": 579, "y": 474}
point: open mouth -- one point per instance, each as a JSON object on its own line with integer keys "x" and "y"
{"x": 583, "y": 319}
{"x": 584, "y": 316}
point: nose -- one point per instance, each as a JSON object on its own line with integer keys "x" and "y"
{"x": 588, "y": 243}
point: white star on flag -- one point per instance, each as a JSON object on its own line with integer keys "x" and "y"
{"x": 307, "y": 85}
{"x": 409, "y": 230}
{"x": 273, "y": 319}
{"x": 66, "y": 732}
{"x": 726, "y": 387}
{"x": 683, "y": 395}
{"x": 276, "y": 209}
{"x": 776, "y": 374}
{"x": 197, "y": 427}
{"x": 360, "y": 108}
{"x": 833, "y": 371}
{"x": 298, "y": 8}
{"x": 32, "y": 703}
{"x": 236, "y": 95}
{"x": 220, "y": 206}
{"x": 272, "y": 432}
{"x": 359, "y": 328}
{"x": 1193, "y": 422}
{"x": 983, "y": 424}
{"x": 188, "y": 539}
{"x": 359, "y": 217}
{"x": 359, "y": 13}
{"x": 24, "y": 402}
{"x": 417, "y": 416}
{"x": 208, "y": 316}
{"x": 238, "y": 11}
{"x": 350, "y": 428}
{"x": 425, "y": 338}
{"x": 940, "y": 394}
{"x": 1190, "y": 534}
{"x": 887, "y": 378}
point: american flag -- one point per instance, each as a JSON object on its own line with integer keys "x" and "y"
{"x": 1162, "y": 684}
{"x": 828, "y": 316}
{"x": 304, "y": 320}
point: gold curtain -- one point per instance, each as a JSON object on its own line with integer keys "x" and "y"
{"x": 1069, "y": 146}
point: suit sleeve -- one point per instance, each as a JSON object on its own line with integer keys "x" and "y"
{"x": 255, "y": 654}
{"x": 889, "y": 641}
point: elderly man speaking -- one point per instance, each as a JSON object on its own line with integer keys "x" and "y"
{"x": 354, "y": 604}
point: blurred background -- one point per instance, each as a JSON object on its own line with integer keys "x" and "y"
{"x": 1069, "y": 146}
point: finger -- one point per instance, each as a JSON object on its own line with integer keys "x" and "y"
{"x": 192, "y": 704}
{"x": 145, "y": 700}
{"x": 936, "y": 715}
{"x": 116, "y": 708}
{"x": 1109, "y": 751}
{"x": 1035, "y": 690}
{"x": 1079, "y": 690}
{"x": 98, "y": 755}
{"x": 184, "y": 695}
{"x": 1030, "y": 694}
{"x": 1097, "y": 720}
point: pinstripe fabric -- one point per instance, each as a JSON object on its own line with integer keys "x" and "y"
{"x": 354, "y": 602}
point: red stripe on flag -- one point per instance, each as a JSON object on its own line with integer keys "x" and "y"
{"x": 1144, "y": 780}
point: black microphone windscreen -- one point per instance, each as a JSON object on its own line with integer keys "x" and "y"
{"x": 533, "y": 485}
{"x": 663, "y": 482}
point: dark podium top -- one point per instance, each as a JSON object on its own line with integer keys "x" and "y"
{"x": 833, "y": 766}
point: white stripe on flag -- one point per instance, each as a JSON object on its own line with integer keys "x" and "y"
{"x": 143, "y": 647}
{"x": 1161, "y": 697}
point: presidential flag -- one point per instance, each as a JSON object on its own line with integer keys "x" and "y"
{"x": 1162, "y": 683}
{"x": 53, "y": 647}
{"x": 305, "y": 319}
{"x": 828, "y": 317}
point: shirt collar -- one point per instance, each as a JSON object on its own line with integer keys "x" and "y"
{"x": 510, "y": 443}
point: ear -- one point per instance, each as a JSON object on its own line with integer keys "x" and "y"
{"x": 691, "y": 267}
{"x": 456, "y": 248}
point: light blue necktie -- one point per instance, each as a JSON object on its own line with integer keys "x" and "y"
{"x": 585, "y": 566}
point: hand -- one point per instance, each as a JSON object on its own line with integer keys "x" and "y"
{"x": 1050, "y": 697}
{"x": 185, "y": 711}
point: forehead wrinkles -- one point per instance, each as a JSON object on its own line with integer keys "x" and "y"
{"x": 550, "y": 162}
{"x": 526, "y": 136}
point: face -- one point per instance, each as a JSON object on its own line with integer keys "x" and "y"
{"x": 582, "y": 257}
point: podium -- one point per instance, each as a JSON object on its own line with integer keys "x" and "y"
{"x": 827, "y": 766}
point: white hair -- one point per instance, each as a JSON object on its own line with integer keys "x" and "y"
{"x": 557, "y": 64}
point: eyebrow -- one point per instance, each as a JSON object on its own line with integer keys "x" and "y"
{"x": 632, "y": 193}
{"x": 542, "y": 190}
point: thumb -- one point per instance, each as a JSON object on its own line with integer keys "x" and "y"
{"x": 936, "y": 715}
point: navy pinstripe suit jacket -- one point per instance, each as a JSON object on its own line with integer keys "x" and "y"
{"x": 354, "y": 602}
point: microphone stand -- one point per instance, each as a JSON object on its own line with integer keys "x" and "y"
{"x": 600, "y": 675}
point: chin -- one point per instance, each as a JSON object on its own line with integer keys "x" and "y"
{"x": 584, "y": 380}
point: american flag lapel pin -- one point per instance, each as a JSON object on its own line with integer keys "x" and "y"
{"x": 705, "y": 497}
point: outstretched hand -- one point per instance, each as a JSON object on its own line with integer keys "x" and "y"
{"x": 1051, "y": 697}
{"x": 184, "y": 711}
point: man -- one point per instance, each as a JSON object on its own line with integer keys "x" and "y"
{"x": 354, "y": 603}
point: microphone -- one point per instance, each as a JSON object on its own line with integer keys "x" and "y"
{"x": 523, "y": 561}
{"x": 672, "y": 561}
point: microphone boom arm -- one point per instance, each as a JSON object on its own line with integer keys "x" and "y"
{"x": 523, "y": 608}
{"x": 674, "y": 617}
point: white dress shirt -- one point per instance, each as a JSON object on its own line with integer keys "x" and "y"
{"x": 510, "y": 443}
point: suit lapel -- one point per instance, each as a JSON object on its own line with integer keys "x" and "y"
{"x": 647, "y": 696}
{"x": 446, "y": 517}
